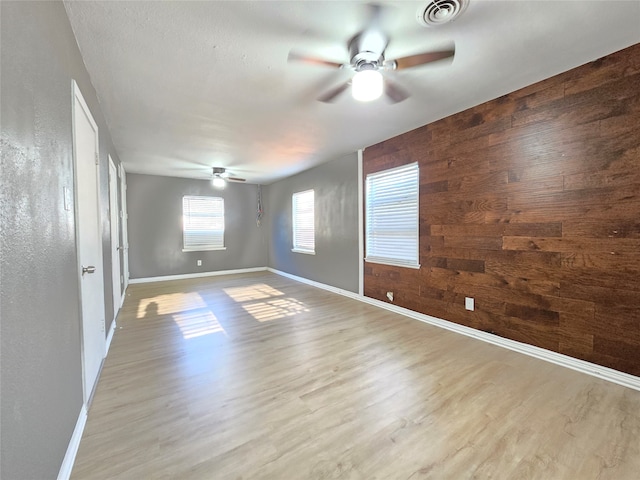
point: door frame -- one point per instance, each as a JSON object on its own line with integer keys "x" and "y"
{"x": 114, "y": 214}
{"x": 77, "y": 96}
{"x": 124, "y": 216}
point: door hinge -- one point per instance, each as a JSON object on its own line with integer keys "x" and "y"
{"x": 97, "y": 161}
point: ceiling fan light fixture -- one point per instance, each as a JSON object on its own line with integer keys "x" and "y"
{"x": 219, "y": 182}
{"x": 367, "y": 85}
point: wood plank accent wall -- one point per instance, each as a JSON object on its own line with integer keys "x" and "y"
{"x": 530, "y": 203}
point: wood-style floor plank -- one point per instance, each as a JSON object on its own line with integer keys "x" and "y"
{"x": 256, "y": 376}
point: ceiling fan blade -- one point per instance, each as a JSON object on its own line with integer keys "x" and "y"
{"x": 298, "y": 57}
{"x": 235, "y": 179}
{"x": 421, "y": 59}
{"x": 394, "y": 92}
{"x": 332, "y": 94}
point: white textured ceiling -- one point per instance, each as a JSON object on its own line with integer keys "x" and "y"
{"x": 186, "y": 86}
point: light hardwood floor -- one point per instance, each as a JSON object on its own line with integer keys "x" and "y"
{"x": 256, "y": 376}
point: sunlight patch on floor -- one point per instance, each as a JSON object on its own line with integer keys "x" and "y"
{"x": 169, "y": 303}
{"x": 258, "y": 291}
{"x": 275, "y": 309}
{"x": 197, "y": 323}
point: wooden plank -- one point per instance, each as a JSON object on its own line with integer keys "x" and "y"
{"x": 447, "y": 278}
{"x": 537, "y": 315}
{"x": 434, "y": 187}
{"x": 478, "y": 128}
{"x": 604, "y": 297}
{"x": 463, "y": 203}
{"x": 612, "y": 246}
{"x": 602, "y": 179}
{"x": 543, "y": 96}
{"x": 602, "y": 71}
{"x": 465, "y": 230}
{"x": 476, "y": 242}
{"x": 478, "y": 183}
{"x": 588, "y": 227}
{"x": 575, "y": 335}
{"x": 464, "y": 265}
{"x": 549, "y": 229}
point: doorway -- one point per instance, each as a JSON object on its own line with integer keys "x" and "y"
{"x": 88, "y": 241}
{"x": 115, "y": 238}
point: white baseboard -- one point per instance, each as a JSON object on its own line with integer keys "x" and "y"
{"x": 196, "y": 275}
{"x": 313, "y": 283}
{"x": 110, "y": 337}
{"x": 74, "y": 444}
{"x": 609, "y": 374}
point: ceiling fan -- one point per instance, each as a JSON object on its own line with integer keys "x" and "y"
{"x": 367, "y": 59}
{"x": 221, "y": 177}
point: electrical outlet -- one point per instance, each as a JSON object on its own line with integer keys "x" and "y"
{"x": 469, "y": 303}
{"x": 199, "y": 263}
{"x": 390, "y": 296}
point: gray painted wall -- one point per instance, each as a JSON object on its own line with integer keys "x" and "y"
{"x": 155, "y": 227}
{"x": 336, "y": 224}
{"x": 39, "y": 299}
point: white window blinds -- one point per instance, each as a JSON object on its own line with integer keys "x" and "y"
{"x": 203, "y": 223}
{"x": 303, "y": 222}
{"x": 391, "y": 233}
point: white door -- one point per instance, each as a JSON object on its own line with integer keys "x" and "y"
{"x": 115, "y": 237}
{"x": 89, "y": 241}
{"x": 124, "y": 216}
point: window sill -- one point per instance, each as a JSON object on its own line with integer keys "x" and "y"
{"x": 202, "y": 249}
{"x": 382, "y": 261}
{"x": 307, "y": 252}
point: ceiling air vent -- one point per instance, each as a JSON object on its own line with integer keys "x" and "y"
{"x": 439, "y": 12}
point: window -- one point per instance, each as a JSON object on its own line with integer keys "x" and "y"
{"x": 391, "y": 234}
{"x": 304, "y": 240}
{"x": 203, "y": 223}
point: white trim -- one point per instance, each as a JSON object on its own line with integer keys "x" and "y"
{"x": 110, "y": 337}
{"x": 124, "y": 295}
{"x": 605, "y": 373}
{"x": 196, "y": 275}
{"x": 117, "y": 295}
{"x": 124, "y": 231}
{"x": 392, "y": 194}
{"x": 360, "y": 223}
{"x": 203, "y": 249}
{"x": 383, "y": 261}
{"x": 72, "y": 449}
{"x": 300, "y": 250}
{"x": 313, "y": 283}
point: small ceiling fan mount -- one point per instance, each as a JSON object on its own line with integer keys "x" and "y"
{"x": 221, "y": 176}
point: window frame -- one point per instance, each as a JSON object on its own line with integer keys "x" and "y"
{"x": 185, "y": 215}
{"x": 294, "y": 221}
{"x": 413, "y": 262}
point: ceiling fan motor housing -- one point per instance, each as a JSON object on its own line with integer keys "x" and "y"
{"x": 364, "y": 59}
